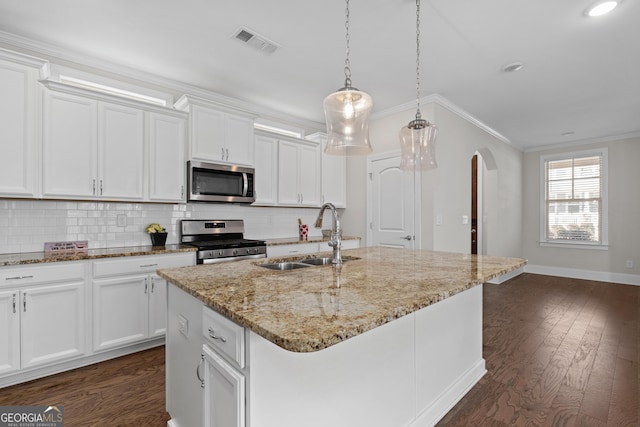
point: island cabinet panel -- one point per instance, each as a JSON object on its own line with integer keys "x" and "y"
{"x": 367, "y": 380}
{"x": 443, "y": 377}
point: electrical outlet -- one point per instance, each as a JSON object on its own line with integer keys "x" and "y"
{"x": 629, "y": 263}
{"x": 183, "y": 325}
{"x": 122, "y": 220}
{"x": 439, "y": 219}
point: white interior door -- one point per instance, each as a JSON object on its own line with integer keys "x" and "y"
{"x": 392, "y": 204}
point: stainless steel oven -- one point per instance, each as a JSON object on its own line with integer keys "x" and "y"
{"x": 220, "y": 240}
{"x": 211, "y": 182}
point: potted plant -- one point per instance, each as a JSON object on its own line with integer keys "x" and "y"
{"x": 158, "y": 234}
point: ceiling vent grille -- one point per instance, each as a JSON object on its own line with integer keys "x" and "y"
{"x": 255, "y": 40}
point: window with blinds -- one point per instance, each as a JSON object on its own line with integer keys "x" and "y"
{"x": 574, "y": 205}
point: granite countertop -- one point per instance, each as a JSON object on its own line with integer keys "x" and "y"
{"x": 309, "y": 309}
{"x": 42, "y": 257}
{"x": 295, "y": 240}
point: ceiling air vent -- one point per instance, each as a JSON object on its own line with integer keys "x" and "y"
{"x": 255, "y": 40}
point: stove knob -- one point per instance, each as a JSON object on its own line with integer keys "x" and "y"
{"x": 220, "y": 253}
{"x": 235, "y": 252}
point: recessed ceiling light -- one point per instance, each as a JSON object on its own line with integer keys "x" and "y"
{"x": 601, "y": 8}
{"x": 513, "y": 67}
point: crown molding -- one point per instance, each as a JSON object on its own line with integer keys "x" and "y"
{"x": 445, "y": 103}
{"x": 571, "y": 144}
{"x": 40, "y": 48}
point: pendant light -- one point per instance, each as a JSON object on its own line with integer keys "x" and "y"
{"x": 418, "y": 138}
{"x": 347, "y": 113}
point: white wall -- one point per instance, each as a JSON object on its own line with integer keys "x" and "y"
{"x": 624, "y": 219}
{"x": 26, "y": 224}
{"x": 446, "y": 191}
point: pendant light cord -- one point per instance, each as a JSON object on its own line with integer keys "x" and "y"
{"x": 418, "y": 114}
{"x": 347, "y": 64}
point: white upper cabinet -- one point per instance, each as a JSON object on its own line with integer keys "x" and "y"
{"x": 334, "y": 174}
{"x": 120, "y": 152}
{"x": 218, "y": 135}
{"x": 166, "y": 158}
{"x": 70, "y": 166}
{"x": 19, "y": 120}
{"x": 92, "y": 149}
{"x": 299, "y": 173}
{"x": 266, "y": 166}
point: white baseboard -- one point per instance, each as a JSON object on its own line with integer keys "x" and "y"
{"x": 510, "y": 275}
{"x": 574, "y": 273}
{"x": 450, "y": 397}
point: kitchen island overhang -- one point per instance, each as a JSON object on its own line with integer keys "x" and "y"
{"x": 393, "y": 338}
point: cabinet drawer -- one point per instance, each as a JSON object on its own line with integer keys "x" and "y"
{"x": 141, "y": 264}
{"x": 224, "y": 335}
{"x": 44, "y": 273}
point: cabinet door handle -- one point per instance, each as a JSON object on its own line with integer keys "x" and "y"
{"x": 24, "y": 302}
{"x": 146, "y": 285}
{"x": 18, "y": 277}
{"x": 153, "y": 284}
{"x": 301, "y": 198}
{"x": 101, "y": 187}
{"x": 14, "y": 303}
{"x": 222, "y": 153}
{"x": 148, "y": 265}
{"x": 94, "y": 188}
{"x": 182, "y": 191}
{"x": 212, "y": 334}
{"x": 200, "y": 363}
{"x": 227, "y": 157}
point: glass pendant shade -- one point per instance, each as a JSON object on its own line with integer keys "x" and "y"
{"x": 347, "y": 114}
{"x": 418, "y": 146}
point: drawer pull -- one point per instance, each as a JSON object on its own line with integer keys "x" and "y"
{"x": 212, "y": 334}
{"x": 200, "y": 363}
{"x": 148, "y": 265}
{"x": 18, "y": 277}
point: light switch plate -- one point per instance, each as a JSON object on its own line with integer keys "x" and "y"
{"x": 183, "y": 325}
{"x": 465, "y": 219}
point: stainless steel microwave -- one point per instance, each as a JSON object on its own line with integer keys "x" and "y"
{"x": 210, "y": 182}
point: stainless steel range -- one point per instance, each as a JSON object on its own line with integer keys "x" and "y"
{"x": 220, "y": 240}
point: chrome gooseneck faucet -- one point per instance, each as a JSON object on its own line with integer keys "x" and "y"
{"x": 336, "y": 231}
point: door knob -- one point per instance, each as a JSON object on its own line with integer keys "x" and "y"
{"x": 407, "y": 237}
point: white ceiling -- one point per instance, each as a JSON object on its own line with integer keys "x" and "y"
{"x": 581, "y": 74}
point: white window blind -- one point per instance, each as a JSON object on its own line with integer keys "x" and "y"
{"x": 574, "y": 199}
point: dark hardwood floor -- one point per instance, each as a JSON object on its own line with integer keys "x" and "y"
{"x": 559, "y": 352}
{"x": 127, "y": 391}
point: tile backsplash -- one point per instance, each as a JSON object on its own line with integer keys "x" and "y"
{"x": 25, "y": 225}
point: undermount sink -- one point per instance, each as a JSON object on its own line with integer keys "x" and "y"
{"x": 317, "y": 261}
{"x": 284, "y": 265}
{"x": 302, "y": 263}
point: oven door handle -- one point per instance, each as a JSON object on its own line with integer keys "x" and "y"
{"x": 245, "y": 184}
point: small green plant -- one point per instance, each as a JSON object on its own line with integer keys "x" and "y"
{"x": 155, "y": 228}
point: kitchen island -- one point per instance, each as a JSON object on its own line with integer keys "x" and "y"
{"x": 393, "y": 337}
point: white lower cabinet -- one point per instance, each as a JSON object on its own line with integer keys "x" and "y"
{"x": 129, "y": 299}
{"x": 224, "y": 392}
{"x": 43, "y": 316}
